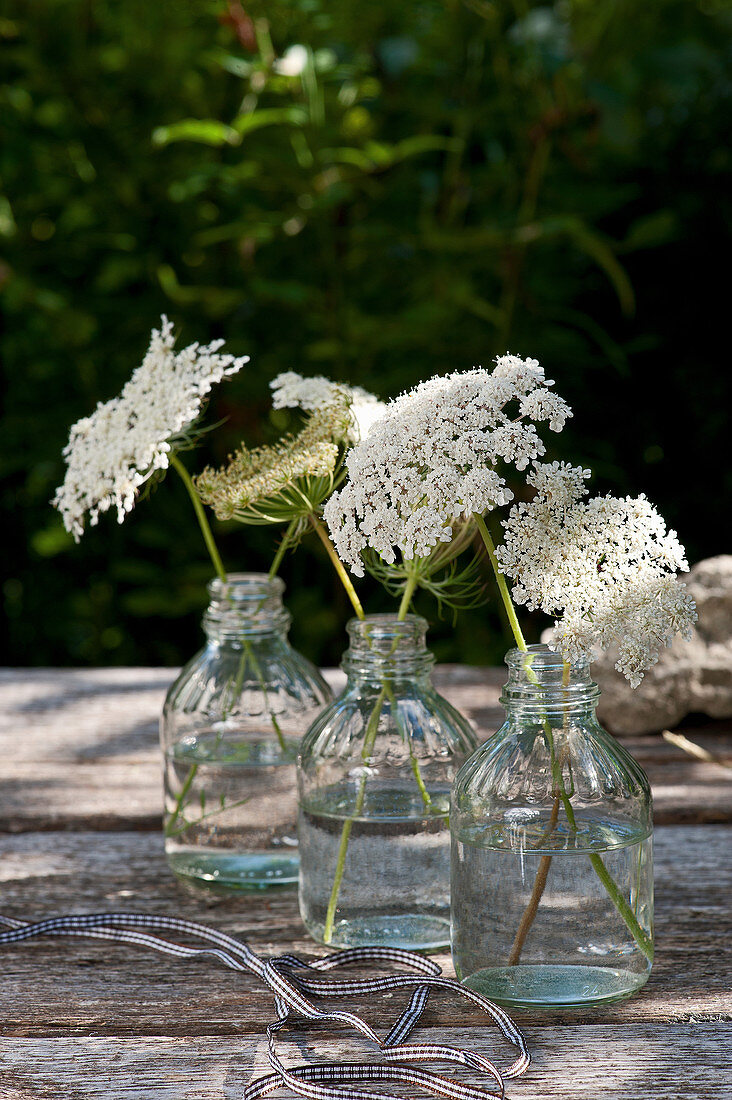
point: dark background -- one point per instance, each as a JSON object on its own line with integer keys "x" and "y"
{"x": 441, "y": 183}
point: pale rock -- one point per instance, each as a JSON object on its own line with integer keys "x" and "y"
{"x": 693, "y": 676}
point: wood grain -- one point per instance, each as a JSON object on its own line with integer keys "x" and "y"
{"x": 80, "y": 804}
{"x": 88, "y": 754}
{"x": 55, "y": 987}
{"x": 632, "y": 1063}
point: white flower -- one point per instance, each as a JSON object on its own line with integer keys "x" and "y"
{"x": 111, "y": 453}
{"x": 604, "y": 568}
{"x": 291, "y": 390}
{"x": 430, "y": 459}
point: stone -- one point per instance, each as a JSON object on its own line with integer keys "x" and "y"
{"x": 693, "y": 676}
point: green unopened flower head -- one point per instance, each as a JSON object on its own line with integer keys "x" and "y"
{"x": 287, "y": 480}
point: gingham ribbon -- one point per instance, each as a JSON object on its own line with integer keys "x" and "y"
{"x": 293, "y": 981}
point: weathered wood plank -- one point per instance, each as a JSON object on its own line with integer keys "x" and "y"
{"x": 73, "y": 715}
{"x": 127, "y": 794}
{"x": 80, "y": 749}
{"x": 113, "y": 795}
{"x": 55, "y": 987}
{"x": 632, "y": 1062}
{"x": 82, "y": 1019}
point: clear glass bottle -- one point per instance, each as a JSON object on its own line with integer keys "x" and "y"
{"x": 230, "y": 734}
{"x": 374, "y": 780}
{"x": 552, "y": 867}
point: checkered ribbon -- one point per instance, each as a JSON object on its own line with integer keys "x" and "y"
{"x": 293, "y": 982}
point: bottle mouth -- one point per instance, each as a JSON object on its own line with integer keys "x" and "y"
{"x": 246, "y": 603}
{"x": 388, "y": 627}
{"x": 542, "y": 656}
{"x": 388, "y": 643}
{"x": 243, "y": 587}
{"x": 540, "y": 677}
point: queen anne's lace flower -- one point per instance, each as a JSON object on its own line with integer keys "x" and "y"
{"x": 260, "y": 485}
{"x": 111, "y": 453}
{"x": 603, "y": 568}
{"x": 430, "y": 459}
{"x": 293, "y": 391}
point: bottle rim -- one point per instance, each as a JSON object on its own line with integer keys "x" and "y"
{"x": 542, "y": 657}
{"x": 539, "y": 677}
{"x": 245, "y": 604}
{"x": 387, "y": 643}
{"x": 245, "y": 586}
{"x": 387, "y": 625}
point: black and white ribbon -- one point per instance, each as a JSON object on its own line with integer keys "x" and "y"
{"x": 293, "y": 982}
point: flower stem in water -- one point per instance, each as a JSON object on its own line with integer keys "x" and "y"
{"x": 368, "y": 744}
{"x": 639, "y": 935}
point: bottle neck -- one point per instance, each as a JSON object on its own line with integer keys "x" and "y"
{"x": 246, "y": 606}
{"x": 384, "y": 648}
{"x": 541, "y": 685}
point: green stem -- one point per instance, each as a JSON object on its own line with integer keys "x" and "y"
{"x": 258, "y": 673}
{"x": 282, "y": 548}
{"x": 546, "y": 860}
{"x": 368, "y": 744}
{"x": 501, "y": 582}
{"x": 204, "y": 817}
{"x": 169, "y": 826}
{"x": 371, "y": 731}
{"x": 402, "y": 614}
{"x": 640, "y": 936}
{"x": 338, "y": 566}
{"x": 170, "y": 829}
{"x": 407, "y": 596}
{"x": 247, "y": 651}
{"x": 218, "y": 565}
{"x": 208, "y": 538}
{"x": 408, "y": 742}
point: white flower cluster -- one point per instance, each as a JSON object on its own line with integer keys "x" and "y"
{"x": 604, "y": 568}
{"x": 431, "y": 459}
{"x": 293, "y": 391}
{"x": 111, "y": 453}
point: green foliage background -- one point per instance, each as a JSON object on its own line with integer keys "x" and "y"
{"x": 440, "y": 182}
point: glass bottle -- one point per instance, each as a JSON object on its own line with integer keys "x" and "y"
{"x": 374, "y": 780}
{"x": 230, "y": 734}
{"x": 552, "y": 866}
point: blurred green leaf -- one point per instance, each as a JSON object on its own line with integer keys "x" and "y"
{"x": 589, "y": 242}
{"x": 217, "y": 300}
{"x": 379, "y": 155}
{"x": 269, "y": 116}
{"x": 7, "y": 221}
{"x": 50, "y": 541}
{"x": 598, "y": 249}
{"x": 205, "y": 131}
{"x": 650, "y": 231}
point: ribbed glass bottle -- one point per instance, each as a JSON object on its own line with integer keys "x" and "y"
{"x": 374, "y": 780}
{"x": 552, "y": 870}
{"x": 230, "y": 734}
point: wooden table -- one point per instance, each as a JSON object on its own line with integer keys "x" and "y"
{"x": 80, "y": 804}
